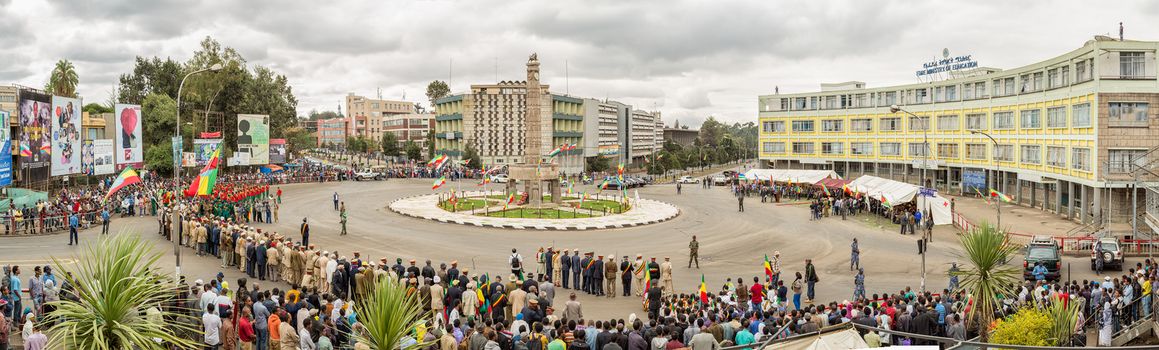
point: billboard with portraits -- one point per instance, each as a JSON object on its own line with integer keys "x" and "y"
{"x": 253, "y": 138}
{"x": 66, "y": 139}
{"x": 277, "y": 151}
{"x": 35, "y": 113}
{"x": 128, "y": 150}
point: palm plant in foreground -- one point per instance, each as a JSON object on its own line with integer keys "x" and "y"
{"x": 389, "y": 315}
{"x": 986, "y": 276}
{"x": 114, "y": 283}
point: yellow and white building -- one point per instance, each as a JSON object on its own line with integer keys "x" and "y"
{"x": 1066, "y": 130}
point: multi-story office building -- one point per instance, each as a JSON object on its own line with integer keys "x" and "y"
{"x": 1067, "y": 130}
{"x": 366, "y": 116}
{"x": 683, "y": 137}
{"x": 332, "y": 132}
{"x": 409, "y": 127}
{"x": 640, "y": 138}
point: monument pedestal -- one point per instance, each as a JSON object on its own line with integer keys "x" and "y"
{"x": 533, "y": 178}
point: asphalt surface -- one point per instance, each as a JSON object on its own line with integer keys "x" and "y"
{"x": 733, "y": 244}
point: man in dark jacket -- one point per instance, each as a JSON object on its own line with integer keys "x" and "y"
{"x": 598, "y": 276}
{"x": 626, "y": 275}
{"x": 565, "y": 268}
{"x": 260, "y": 253}
{"x": 925, "y": 323}
{"x": 575, "y": 269}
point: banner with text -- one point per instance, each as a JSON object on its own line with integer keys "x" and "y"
{"x": 203, "y": 150}
{"x": 103, "y": 155}
{"x": 35, "y": 135}
{"x": 6, "y": 150}
{"x": 277, "y": 151}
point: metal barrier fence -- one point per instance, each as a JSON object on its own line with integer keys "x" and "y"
{"x": 47, "y": 224}
{"x": 1079, "y": 245}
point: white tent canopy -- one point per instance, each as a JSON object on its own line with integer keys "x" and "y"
{"x": 794, "y": 175}
{"x": 839, "y": 337}
{"x": 896, "y": 192}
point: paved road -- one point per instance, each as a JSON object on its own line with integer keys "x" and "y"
{"x": 733, "y": 244}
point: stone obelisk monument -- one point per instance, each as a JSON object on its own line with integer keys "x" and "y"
{"x": 535, "y": 170}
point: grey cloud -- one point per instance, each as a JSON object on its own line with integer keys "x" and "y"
{"x": 693, "y": 98}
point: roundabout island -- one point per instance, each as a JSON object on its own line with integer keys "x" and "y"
{"x": 569, "y": 212}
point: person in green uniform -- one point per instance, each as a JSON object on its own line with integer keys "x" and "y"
{"x": 343, "y": 220}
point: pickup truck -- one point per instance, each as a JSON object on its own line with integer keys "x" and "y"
{"x": 367, "y": 174}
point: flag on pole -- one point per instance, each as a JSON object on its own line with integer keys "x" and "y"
{"x": 203, "y": 184}
{"x": 846, "y": 189}
{"x": 826, "y": 189}
{"x": 127, "y": 177}
{"x": 510, "y": 198}
{"x": 583, "y": 197}
{"x": 885, "y": 202}
{"x": 1000, "y": 195}
{"x": 439, "y": 182}
{"x": 987, "y": 198}
{"x": 437, "y": 160}
{"x": 703, "y": 290}
{"x": 556, "y": 151}
{"x": 768, "y": 267}
{"x": 647, "y": 281}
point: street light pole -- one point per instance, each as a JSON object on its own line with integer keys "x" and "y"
{"x": 925, "y": 164}
{"x": 997, "y": 169}
{"x": 176, "y": 162}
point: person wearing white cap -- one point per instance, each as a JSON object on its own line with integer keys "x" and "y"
{"x": 437, "y": 301}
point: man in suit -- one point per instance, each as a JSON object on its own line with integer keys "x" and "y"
{"x": 626, "y": 275}
{"x": 575, "y": 269}
{"x": 598, "y": 276}
{"x": 587, "y": 273}
{"x": 305, "y": 232}
{"x": 573, "y": 311}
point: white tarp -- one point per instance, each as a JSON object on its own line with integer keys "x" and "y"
{"x": 897, "y": 192}
{"x": 794, "y": 175}
{"x": 833, "y": 340}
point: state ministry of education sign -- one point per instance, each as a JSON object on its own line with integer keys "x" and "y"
{"x": 947, "y": 64}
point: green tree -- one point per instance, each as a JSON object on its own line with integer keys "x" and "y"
{"x": 116, "y": 283}
{"x": 158, "y": 126}
{"x": 430, "y": 145}
{"x": 710, "y": 132}
{"x": 436, "y": 90}
{"x": 471, "y": 155}
{"x": 413, "y": 151}
{"x": 390, "y": 146}
{"x": 299, "y": 140}
{"x": 316, "y": 115}
{"x": 986, "y": 275}
{"x": 598, "y": 164}
{"x": 389, "y": 315}
{"x": 95, "y": 109}
{"x": 63, "y": 80}
{"x": 149, "y": 76}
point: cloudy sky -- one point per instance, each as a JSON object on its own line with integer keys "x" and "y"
{"x": 688, "y": 59}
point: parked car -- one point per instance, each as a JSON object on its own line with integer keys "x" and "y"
{"x": 1112, "y": 254}
{"x": 613, "y": 183}
{"x": 719, "y": 180}
{"x": 1042, "y": 250}
{"x": 688, "y": 180}
{"x": 499, "y": 179}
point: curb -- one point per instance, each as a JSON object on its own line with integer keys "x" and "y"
{"x": 537, "y": 228}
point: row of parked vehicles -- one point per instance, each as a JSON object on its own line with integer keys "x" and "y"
{"x": 1047, "y": 251}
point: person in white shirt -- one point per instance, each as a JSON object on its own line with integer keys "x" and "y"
{"x": 211, "y": 325}
{"x": 304, "y": 340}
{"x": 222, "y": 299}
{"x": 207, "y": 297}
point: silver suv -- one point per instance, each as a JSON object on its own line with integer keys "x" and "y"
{"x": 1112, "y": 254}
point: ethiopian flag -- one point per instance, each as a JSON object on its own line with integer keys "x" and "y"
{"x": 203, "y": 184}
{"x": 768, "y": 267}
{"x": 556, "y": 151}
{"x": 439, "y": 182}
{"x": 1000, "y": 195}
{"x": 885, "y": 202}
{"x": 703, "y": 290}
{"x": 647, "y": 281}
{"x": 127, "y": 177}
{"x": 510, "y": 198}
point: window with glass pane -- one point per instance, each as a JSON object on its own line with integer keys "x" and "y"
{"x": 1031, "y": 154}
{"x": 918, "y": 149}
{"x": 980, "y": 89}
{"x": 1056, "y": 156}
{"x": 1131, "y": 65}
{"x": 832, "y": 148}
{"x": 1009, "y": 86}
{"x": 890, "y": 98}
{"x": 947, "y": 150}
{"x": 1080, "y": 158}
{"x": 947, "y": 122}
{"x": 968, "y": 91}
{"x": 1064, "y": 72}
{"x": 832, "y": 125}
{"x": 784, "y": 104}
{"x": 803, "y": 148}
{"x": 861, "y": 148}
{"x": 774, "y": 147}
{"x": 976, "y": 121}
{"x": 861, "y": 125}
{"x": 919, "y": 123}
{"x": 1031, "y": 119}
{"x": 1003, "y": 120}
{"x": 830, "y": 102}
{"x": 1120, "y": 159}
{"x": 890, "y": 148}
{"x": 1127, "y": 114}
{"x": 802, "y": 126}
{"x": 1024, "y": 83}
{"x": 952, "y": 93}
{"x": 976, "y": 151}
{"x": 1052, "y": 78}
{"x": 1036, "y": 82}
{"x": 1004, "y": 153}
{"x": 812, "y": 102}
{"x": 799, "y": 103}
{"x": 997, "y": 86}
{"x": 1056, "y": 117}
{"x": 890, "y": 124}
{"x": 1080, "y": 115}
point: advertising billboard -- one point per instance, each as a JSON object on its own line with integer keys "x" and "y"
{"x": 35, "y": 135}
{"x": 6, "y": 150}
{"x": 277, "y": 151}
{"x": 253, "y": 138}
{"x": 103, "y": 163}
{"x": 128, "y": 146}
{"x": 66, "y": 131}
{"x": 203, "y": 149}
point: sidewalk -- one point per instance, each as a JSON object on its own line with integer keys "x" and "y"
{"x": 1015, "y": 218}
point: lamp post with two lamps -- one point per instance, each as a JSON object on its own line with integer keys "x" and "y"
{"x": 177, "y": 161}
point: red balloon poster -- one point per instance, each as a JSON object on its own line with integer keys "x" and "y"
{"x": 128, "y": 146}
